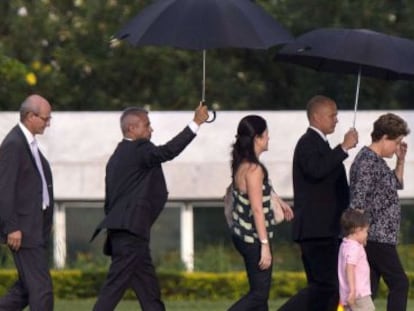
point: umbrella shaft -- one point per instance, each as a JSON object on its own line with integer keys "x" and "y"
{"x": 356, "y": 97}
{"x": 203, "y": 94}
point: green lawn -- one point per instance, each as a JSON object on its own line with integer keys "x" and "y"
{"x": 130, "y": 305}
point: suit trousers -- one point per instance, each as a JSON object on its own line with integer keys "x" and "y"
{"x": 131, "y": 267}
{"x": 34, "y": 285}
{"x": 259, "y": 280}
{"x": 384, "y": 261}
{"x": 320, "y": 260}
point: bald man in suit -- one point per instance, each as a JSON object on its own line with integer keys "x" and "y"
{"x": 26, "y": 208}
{"x": 321, "y": 193}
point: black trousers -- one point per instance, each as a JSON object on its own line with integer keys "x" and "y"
{"x": 320, "y": 261}
{"x": 259, "y": 280}
{"x": 131, "y": 267}
{"x": 34, "y": 285}
{"x": 384, "y": 262}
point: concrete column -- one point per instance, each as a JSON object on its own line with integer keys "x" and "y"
{"x": 59, "y": 236}
{"x": 187, "y": 236}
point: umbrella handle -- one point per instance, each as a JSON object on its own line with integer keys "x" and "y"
{"x": 214, "y": 117}
{"x": 213, "y": 111}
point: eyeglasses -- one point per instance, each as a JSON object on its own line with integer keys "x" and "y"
{"x": 44, "y": 119}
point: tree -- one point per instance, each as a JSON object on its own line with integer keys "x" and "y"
{"x": 67, "y": 46}
{"x": 391, "y": 17}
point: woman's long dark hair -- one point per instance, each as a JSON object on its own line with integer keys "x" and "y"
{"x": 243, "y": 149}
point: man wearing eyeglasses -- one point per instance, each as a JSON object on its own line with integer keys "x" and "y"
{"x": 26, "y": 208}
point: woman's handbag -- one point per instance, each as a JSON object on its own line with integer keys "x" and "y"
{"x": 229, "y": 205}
{"x": 279, "y": 215}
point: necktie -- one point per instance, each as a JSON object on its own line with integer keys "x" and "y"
{"x": 45, "y": 194}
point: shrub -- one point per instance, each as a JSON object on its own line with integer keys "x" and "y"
{"x": 77, "y": 284}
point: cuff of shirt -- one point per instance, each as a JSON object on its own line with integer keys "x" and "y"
{"x": 194, "y": 127}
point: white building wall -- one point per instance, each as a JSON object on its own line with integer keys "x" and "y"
{"x": 78, "y": 144}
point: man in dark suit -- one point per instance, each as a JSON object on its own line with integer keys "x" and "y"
{"x": 134, "y": 197}
{"x": 26, "y": 208}
{"x": 321, "y": 193}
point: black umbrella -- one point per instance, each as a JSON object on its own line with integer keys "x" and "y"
{"x": 204, "y": 24}
{"x": 353, "y": 51}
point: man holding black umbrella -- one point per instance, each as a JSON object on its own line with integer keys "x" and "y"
{"x": 321, "y": 193}
{"x": 135, "y": 195}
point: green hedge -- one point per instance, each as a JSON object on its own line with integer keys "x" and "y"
{"x": 77, "y": 284}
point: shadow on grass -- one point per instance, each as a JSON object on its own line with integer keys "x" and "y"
{"x": 130, "y": 305}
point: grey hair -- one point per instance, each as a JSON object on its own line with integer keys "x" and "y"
{"x": 125, "y": 119}
{"x": 28, "y": 105}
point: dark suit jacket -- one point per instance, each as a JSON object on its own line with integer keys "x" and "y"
{"x": 320, "y": 188}
{"x": 135, "y": 191}
{"x": 21, "y": 192}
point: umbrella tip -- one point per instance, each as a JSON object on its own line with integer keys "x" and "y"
{"x": 304, "y": 49}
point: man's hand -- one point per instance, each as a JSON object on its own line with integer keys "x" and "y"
{"x": 14, "y": 240}
{"x": 201, "y": 114}
{"x": 350, "y": 139}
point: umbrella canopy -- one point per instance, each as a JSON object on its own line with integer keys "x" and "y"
{"x": 204, "y": 24}
{"x": 352, "y": 51}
